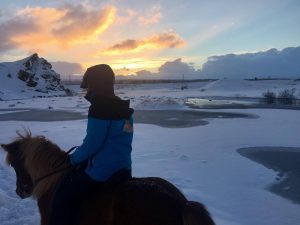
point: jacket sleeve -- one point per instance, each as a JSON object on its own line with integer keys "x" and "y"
{"x": 96, "y": 133}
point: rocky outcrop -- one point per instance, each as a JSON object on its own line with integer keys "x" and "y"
{"x": 30, "y": 77}
{"x": 37, "y": 72}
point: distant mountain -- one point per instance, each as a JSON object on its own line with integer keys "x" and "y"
{"x": 32, "y": 76}
{"x": 266, "y": 64}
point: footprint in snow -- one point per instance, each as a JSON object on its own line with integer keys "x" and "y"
{"x": 184, "y": 158}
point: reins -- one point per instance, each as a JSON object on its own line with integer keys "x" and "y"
{"x": 57, "y": 163}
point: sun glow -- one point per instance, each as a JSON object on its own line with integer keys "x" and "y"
{"x": 129, "y": 66}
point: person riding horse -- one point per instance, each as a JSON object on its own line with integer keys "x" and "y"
{"x": 97, "y": 188}
{"x": 105, "y": 154}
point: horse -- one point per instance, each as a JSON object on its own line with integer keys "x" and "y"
{"x": 138, "y": 201}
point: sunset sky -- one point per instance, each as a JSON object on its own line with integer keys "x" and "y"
{"x": 134, "y": 35}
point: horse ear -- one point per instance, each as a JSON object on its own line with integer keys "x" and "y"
{"x": 12, "y": 147}
{"x": 4, "y": 147}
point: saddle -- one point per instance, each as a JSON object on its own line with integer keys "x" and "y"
{"x": 119, "y": 177}
{"x": 103, "y": 189}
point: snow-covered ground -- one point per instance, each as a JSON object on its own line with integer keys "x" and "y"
{"x": 202, "y": 161}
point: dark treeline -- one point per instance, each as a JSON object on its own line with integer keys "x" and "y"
{"x": 141, "y": 81}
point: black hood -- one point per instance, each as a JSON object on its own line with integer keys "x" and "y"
{"x": 110, "y": 108}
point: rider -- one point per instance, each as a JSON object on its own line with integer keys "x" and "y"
{"x": 106, "y": 148}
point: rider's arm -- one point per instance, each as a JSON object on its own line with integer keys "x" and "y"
{"x": 96, "y": 133}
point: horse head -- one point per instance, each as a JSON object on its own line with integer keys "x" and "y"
{"x": 32, "y": 158}
{"x": 24, "y": 183}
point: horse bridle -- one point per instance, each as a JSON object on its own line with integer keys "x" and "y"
{"x": 58, "y": 163}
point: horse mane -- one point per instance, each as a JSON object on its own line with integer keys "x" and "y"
{"x": 39, "y": 155}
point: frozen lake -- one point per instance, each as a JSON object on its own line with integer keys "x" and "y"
{"x": 235, "y": 103}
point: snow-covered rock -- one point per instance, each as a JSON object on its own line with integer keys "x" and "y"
{"x": 29, "y": 77}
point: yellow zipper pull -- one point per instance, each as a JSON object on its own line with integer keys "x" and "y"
{"x": 128, "y": 127}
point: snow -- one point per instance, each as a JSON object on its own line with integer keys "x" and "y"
{"x": 201, "y": 161}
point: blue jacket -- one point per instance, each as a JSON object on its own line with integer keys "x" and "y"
{"x": 108, "y": 144}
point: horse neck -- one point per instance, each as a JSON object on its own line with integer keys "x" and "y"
{"x": 42, "y": 165}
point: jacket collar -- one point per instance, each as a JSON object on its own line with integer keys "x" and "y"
{"x": 110, "y": 108}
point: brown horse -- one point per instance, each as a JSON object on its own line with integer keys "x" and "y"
{"x": 140, "y": 201}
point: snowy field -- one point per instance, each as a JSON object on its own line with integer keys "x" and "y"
{"x": 202, "y": 161}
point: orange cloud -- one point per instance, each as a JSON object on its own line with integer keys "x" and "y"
{"x": 60, "y": 26}
{"x": 165, "y": 40}
{"x": 144, "y": 17}
{"x": 12, "y": 28}
{"x": 80, "y": 22}
{"x": 152, "y": 17}
{"x": 125, "y": 16}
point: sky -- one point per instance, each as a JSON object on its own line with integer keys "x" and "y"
{"x": 134, "y": 35}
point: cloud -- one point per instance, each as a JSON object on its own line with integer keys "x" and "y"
{"x": 81, "y": 21}
{"x": 142, "y": 17}
{"x": 15, "y": 27}
{"x": 126, "y": 45}
{"x": 161, "y": 41}
{"x": 271, "y": 63}
{"x": 125, "y": 16}
{"x": 64, "y": 26}
{"x": 267, "y": 64}
{"x": 152, "y": 17}
{"x": 145, "y": 74}
{"x": 176, "y": 69}
{"x": 172, "y": 70}
{"x": 67, "y": 68}
{"x": 168, "y": 39}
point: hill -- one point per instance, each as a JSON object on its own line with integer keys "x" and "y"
{"x": 29, "y": 77}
